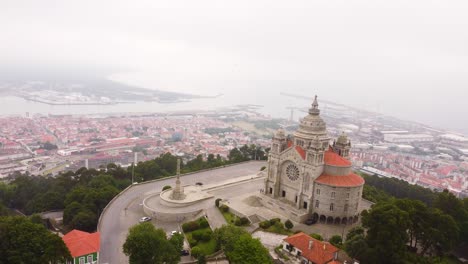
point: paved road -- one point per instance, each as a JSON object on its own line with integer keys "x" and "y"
{"x": 215, "y": 217}
{"x": 126, "y": 209}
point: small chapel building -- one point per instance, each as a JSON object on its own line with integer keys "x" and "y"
{"x": 310, "y": 177}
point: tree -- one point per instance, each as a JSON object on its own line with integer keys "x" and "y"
{"x": 356, "y": 244}
{"x": 317, "y": 236}
{"x": 418, "y": 215}
{"x": 85, "y": 220}
{"x": 235, "y": 155}
{"x": 440, "y": 233}
{"x": 178, "y": 241}
{"x": 288, "y": 224}
{"x": 22, "y": 241}
{"x": 248, "y": 250}
{"x": 387, "y": 235}
{"x": 227, "y": 235}
{"x": 451, "y": 205}
{"x": 146, "y": 244}
{"x": 49, "y": 146}
{"x": 336, "y": 240}
{"x": 201, "y": 259}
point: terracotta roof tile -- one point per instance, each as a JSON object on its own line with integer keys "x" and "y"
{"x": 320, "y": 253}
{"x": 350, "y": 180}
{"x": 301, "y": 152}
{"x": 82, "y": 243}
{"x": 331, "y": 158}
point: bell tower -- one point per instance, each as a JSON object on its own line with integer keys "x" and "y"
{"x": 342, "y": 146}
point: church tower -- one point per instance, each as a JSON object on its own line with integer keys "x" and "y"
{"x": 342, "y": 146}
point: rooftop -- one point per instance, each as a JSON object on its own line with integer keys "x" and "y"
{"x": 82, "y": 243}
{"x": 331, "y": 158}
{"x": 320, "y": 252}
{"x": 350, "y": 180}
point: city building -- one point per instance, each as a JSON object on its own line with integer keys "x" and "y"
{"x": 309, "y": 178}
{"x": 408, "y": 138}
{"x": 83, "y": 246}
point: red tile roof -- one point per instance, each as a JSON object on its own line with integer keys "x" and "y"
{"x": 289, "y": 143}
{"x": 331, "y": 158}
{"x": 82, "y": 243}
{"x": 320, "y": 253}
{"x": 301, "y": 152}
{"x": 350, "y": 180}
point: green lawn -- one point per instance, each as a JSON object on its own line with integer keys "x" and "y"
{"x": 279, "y": 230}
{"x": 208, "y": 247}
{"x": 230, "y": 217}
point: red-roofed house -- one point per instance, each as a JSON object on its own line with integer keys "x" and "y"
{"x": 310, "y": 250}
{"x": 83, "y": 246}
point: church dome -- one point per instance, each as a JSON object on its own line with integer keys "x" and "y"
{"x": 312, "y": 125}
{"x": 342, "y": 139}
{"x": 280, "y": 133}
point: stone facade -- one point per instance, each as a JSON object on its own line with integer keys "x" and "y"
{"x": 309, "y": 178}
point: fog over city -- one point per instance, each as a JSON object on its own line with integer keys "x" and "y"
{"x": 408, "y": 59}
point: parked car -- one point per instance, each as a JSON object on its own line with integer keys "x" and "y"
{"x": 199, "y": 183}
{"x": 175, "y": 232}
{"x": 145, "y": 219}
{"x": 310, "y": 221}
{"x": 184, "y": 252}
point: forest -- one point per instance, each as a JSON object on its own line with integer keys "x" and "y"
{"x": 408, "y": 224}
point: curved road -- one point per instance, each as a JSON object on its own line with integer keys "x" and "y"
{"x": 125, "y": 210}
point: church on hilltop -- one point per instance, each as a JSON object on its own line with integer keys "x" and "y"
{"x": 309, "y": 177}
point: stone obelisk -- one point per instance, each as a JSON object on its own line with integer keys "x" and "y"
{"x": 178, "y": 192}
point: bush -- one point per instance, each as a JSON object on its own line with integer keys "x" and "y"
{"x": 196, "y": 251}
{"x": 274, "y": 220}
{"x": 263, "y": 168}
{"x": 167, "y": 187}
{"x": 201, "y": 259}
{"x": 192, "y": 242}
{"x": 265, "y": 224}
{"x": 244, "y": 221}
{"x": 206, "y": 236}
{"x": 280, "y": 253}
{"x": 217, "y": 202}
{"x": 224, "y": 208}
{"x": 203, "y": 223}
{"x": 202, "y": 235}
{"x": 317, "y": 236}
{"x": 336, "y": 240}
{"x": 278, "y": 226}
{"x": 288, "y": 224}
{"x": 190, "y": 226}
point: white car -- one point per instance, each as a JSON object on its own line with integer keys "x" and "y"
{"x": 145, "y": 219}
{"x": 175, "y": 232}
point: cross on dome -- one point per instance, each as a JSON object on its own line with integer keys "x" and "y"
{"x": 314, "y": 110}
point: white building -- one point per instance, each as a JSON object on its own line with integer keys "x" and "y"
{"x": 408, "y": 138}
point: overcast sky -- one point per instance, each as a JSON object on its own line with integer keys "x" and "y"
{"x": 410, "y": 56}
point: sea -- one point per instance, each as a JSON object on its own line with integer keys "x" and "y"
{"x": 444, "y": 113}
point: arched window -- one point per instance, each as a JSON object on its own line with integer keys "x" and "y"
{"x": 317, "y": 203}
{"x": 331, "y": 207}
